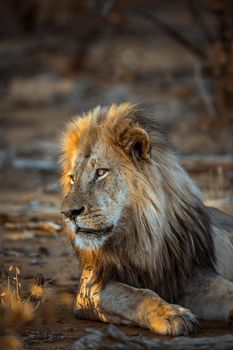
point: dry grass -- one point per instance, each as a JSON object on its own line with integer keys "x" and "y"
{"x": 18, "y": 307}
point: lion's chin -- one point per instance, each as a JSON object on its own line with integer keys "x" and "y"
{"x": 87, "y": 242}
{"x": 89, "y": 238}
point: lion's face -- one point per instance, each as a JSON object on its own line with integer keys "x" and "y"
{"x": 97, "y": 196}
{"x": 101, "y": 154}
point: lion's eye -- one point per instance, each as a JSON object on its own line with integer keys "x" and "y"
{"x": 101, "y": 173}
{"x": 72, "y": 179}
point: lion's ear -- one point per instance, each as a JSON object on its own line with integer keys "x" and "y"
{"x": 136, "y": 143}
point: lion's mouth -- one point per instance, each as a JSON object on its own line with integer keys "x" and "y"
{"x": 90, "y": 231}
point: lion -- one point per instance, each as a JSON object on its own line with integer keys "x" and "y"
{"x": 151, "y": 254}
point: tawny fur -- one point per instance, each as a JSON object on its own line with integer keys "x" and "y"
{"x": 163, "y": 236}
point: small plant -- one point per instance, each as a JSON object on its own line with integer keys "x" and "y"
{"x": 14, "y": 310}
{"x": 18, "y": 308}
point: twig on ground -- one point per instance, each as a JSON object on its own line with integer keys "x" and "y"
{"x": 48, "y": 226}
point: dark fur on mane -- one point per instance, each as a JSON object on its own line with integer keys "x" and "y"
{"x": 187, "y": 245}
{"x": 193, "y": 251}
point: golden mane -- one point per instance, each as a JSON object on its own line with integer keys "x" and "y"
{"x": 164, "y": 236}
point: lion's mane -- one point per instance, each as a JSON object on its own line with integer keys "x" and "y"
{"x": 164, "y": 236}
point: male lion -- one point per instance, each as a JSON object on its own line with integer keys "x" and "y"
{"x": 145, "y": 241}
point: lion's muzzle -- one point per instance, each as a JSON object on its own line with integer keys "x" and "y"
{"x": 72, "y": 213}
{"x": 91, "y": 231}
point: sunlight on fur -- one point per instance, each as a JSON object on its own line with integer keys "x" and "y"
{"x": 142, "y": 224}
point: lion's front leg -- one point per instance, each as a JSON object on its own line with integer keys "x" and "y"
{"x": 210, "y": 297}
{"x": 88, "y": 300}
{"x": 87, "y": 306}
{"x": 120, "y": 303}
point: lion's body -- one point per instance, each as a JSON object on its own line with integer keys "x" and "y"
{"x": 222, "y": 231}
{"x": 142, "y": 222}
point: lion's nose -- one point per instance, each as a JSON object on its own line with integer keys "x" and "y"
{"x": 72, "y": 213}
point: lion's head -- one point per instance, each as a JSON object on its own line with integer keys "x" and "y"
{"x": 101, "y": 152}
{"x": 127, "y": 195}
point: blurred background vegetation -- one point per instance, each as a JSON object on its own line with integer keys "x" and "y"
{"x": 175, "y": 56}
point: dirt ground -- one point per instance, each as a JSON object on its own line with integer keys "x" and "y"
{"x": 34, "y": 108}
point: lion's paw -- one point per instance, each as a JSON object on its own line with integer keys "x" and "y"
{"x": 174, "y": 320}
